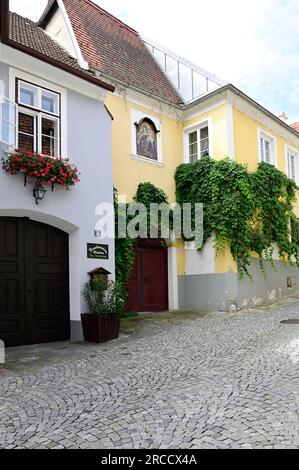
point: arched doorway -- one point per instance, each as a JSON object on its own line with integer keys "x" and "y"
{"x": 34, "y": 282}
{"x": 148, "y": 287}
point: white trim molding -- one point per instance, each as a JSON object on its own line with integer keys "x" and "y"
{"x": 50, "y": 73}
{"x": 230, "y": 131}
{"x": 261, "y": 118}
{"x": 173, "y": 289}
{"x": 147, "y": 160}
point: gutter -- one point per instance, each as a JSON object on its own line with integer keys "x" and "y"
{"x": 236, "y": 91}
{"x": 218, "y": 91}
{"x": 5, "y": 39}
{"x": 183, "y": 106}
{"x": 139, "y": 90}
{"x": 261, "y": 108}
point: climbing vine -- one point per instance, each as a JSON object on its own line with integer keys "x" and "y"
{"x": 124, "y": 250}
{"x": 250, "y": 212}
{"x": 146, "y": 194}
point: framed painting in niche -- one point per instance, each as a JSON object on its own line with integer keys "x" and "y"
{"x": 146, "y": 138}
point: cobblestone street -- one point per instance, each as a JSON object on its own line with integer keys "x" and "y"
{"x": 179, "y": 381}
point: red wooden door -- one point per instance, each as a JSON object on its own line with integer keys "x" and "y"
{"x": 134, "y": 290}
{"x": 148, "y": 288}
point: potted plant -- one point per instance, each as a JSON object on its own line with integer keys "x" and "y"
{"x": 105, "y": 302}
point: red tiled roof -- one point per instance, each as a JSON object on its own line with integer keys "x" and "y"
{"x": 295, "y": 126}
{"x": 115, "y": 49}
{"x": 26, "y": 33}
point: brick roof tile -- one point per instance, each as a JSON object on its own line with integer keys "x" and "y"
{"x": 27, "y": 33}
{"x": 117, "y": 50}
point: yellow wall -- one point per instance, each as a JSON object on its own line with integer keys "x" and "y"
{"x": 129, "y": 172}
{"x": 219, "y": 135}
{"x": 247, "y": 145}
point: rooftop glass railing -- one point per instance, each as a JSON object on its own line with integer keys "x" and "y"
{"x": 190, "y": 81}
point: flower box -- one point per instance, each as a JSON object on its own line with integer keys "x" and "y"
{"x": 47, "y": 171}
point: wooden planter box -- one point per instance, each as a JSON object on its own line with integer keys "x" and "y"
{"x": 99, "y": 329}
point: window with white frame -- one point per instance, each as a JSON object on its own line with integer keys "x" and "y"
{"x": 8, "y": 121}
{"x": 198, "y": 143}
{"x": 267, "y": 148}
{"x": 292, "y": 158}
{"x": 38, "y": 119}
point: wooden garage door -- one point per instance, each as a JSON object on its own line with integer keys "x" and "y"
{"x": 148, "y": 287}
{"x": 34, "y": 283}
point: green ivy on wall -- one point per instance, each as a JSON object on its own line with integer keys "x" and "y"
{"x": 250, "y": 212}
{"x": 146, "y": 194}
{"x": 124, "y": 250}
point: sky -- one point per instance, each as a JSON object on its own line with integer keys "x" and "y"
{"x": 253, "y": 44}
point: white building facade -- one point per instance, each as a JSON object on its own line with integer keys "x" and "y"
{"x": 48, "y": 249}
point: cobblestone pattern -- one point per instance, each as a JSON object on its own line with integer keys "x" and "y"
{"x": 215, "y": 382}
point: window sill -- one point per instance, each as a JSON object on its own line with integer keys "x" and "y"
{"x": 273, "y": 163}
{"x": 147, "y": 160}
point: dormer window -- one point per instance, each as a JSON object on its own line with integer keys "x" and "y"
{"x": 146, "y": 139}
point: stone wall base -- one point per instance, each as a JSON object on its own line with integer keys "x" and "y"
{"x": 76, "y": 331}
{"x": 219, "y": 291}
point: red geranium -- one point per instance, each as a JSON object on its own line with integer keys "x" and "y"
{"x": 47, "y": 170}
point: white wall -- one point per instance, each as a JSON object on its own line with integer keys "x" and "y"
{"x": 200, "y": 262}
{"x": 57, "y": 29}
{"x": 89, "y": 147}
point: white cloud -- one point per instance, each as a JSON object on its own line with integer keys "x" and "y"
{"x": 29, "y": 8}
{"x": 252, "y": 44}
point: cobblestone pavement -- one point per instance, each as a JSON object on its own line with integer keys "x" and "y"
{"x": 217, "y": 381}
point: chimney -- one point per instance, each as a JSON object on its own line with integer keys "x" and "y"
{"x": 283, "y": 117}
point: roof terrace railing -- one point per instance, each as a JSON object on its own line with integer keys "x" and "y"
{"x": 190, "y": 81}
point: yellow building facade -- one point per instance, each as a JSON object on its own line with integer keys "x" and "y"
{"x": 192, "y": 113}
{"x": 236, "y": 126}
